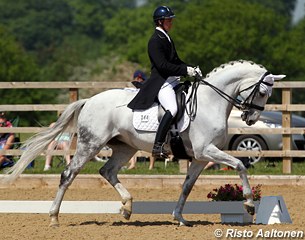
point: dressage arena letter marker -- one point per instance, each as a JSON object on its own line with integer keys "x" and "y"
{"x": 272, "y": 209}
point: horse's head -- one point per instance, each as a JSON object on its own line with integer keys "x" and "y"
{"x": 255, "y": 97}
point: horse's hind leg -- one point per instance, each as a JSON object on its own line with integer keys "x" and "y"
{"x": 86, "y": 150}
{"x": 67, "y": 176}
{"x": 121, "y": 154}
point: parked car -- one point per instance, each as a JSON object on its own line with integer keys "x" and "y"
{"x": 263, "y": 141}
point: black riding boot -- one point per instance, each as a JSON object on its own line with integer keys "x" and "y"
{"x": 163, "y": 128}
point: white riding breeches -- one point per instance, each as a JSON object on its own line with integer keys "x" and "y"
{"x": 167, "y": 96}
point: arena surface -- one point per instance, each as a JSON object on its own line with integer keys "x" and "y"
{"x": 113, "y": 226}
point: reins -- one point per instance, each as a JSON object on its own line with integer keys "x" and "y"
{"x": 191, "y": 108}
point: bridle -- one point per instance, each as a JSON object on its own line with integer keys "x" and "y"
{"x": 244, "y": 105}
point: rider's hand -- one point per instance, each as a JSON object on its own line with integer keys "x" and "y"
{"x": 194, "y": 71}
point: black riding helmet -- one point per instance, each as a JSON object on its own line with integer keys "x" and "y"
{"x": 162, "y": 13}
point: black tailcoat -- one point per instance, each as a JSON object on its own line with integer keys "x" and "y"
{"x": 164, "y": 63}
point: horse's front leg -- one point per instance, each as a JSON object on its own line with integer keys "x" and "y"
{"x": 221, "y": 157}
{"x": 121, "y": 154}
{"x": 110, "y": 174}
{"x": 194, "y": 171}
{"x": 247, "y": 192}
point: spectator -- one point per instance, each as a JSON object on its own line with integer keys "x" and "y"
{"x": 138, "y": 78}
{"x": 6, "y": 142}
{"x": 61, "y": 142}
{"x": 133, "y": 160}
{"x": 212, "y": 166}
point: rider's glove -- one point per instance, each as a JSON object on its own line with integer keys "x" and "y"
{"x": 194, "y": 71}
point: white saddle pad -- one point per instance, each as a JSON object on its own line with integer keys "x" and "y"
{"x": 147, "y": 120}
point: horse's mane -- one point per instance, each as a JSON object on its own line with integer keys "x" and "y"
{"x": 229, "y": 64}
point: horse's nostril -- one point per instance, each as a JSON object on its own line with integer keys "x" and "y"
{"x": 244, "y": 116}
{"x": 251, "y": 122}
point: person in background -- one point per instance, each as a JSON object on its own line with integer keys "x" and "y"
{"x": 133, "y": 160}
{"x": 6, "y": 142}
{"x": 61, "y": 142}
{"x": 138, "y": 78}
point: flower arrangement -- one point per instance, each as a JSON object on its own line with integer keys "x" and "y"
{"x": 233, "y": 193}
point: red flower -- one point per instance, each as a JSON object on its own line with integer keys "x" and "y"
{"x": 233, "y": 193}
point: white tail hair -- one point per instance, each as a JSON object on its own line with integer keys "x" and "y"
{"x": 38, "y": 143}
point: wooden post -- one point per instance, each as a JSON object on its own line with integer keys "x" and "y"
{"x": 73, "y": 94}
{"x": 286, "y": 123}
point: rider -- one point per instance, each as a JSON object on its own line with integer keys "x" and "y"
{"x": 166, "y": 69}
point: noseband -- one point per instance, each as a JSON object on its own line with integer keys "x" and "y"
{"x": 244, "y": 105}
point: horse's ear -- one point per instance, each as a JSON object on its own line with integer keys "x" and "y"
{"x": 278, "y": 77}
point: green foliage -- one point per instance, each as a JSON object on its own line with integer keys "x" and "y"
{"x": 288, "y": 51}
{"x": 39, "y": 25}
{"x": 218, "y": 33}
{"x": 130, "y": 39}
{"x": 283, "y": 7}
{"x": 16, "y": 64}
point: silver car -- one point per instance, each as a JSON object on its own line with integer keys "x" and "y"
{"x": 262, "y": 141}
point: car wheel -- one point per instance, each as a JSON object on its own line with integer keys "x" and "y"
{"x": 250, "y": 143}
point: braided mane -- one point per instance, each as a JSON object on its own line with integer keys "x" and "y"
{"x": 231, "y": 63}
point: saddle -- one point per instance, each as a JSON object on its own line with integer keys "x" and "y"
{"x": 148, "y": 120}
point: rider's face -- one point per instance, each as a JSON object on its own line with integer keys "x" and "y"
{"x": 167, "y": 24}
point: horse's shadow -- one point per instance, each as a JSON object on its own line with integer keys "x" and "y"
{"x": 157, "y": 223}
{"x": 88, "y": 223}
{"x": 154, "y": 223}
{"x": 141, "y": 223}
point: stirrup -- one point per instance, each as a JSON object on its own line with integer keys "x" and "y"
{"x": 159, "y": 152}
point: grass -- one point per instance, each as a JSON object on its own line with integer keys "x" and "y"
{"x": 93, "y": 168}
{"x": 261, "y": 168}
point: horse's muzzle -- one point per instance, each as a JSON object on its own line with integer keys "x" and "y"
{"x": 244, "y": 115}
{"x": 250, "y": 117}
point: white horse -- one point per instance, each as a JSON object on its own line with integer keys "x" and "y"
{"x": 105, "y": 119}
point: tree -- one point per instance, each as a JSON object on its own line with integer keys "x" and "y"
{"x": 130, "y": 39}
{"x": 288, "y": 51}
{"x": 16, "y": 64}
{"x": 282, "y": 7}
{"x": 214, "y": 32}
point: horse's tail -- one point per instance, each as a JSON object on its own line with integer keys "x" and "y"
{"x": 38, "y": 143}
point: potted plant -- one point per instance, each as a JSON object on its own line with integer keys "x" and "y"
{"x": 232, "y": 194}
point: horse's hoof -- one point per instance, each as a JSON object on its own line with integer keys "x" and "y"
{"x": 185, "y": 223}
{"x": 126, "y": 214}
{"x": 250, "y": 208}
{"x": 54, "y": 223}
{"x": 180, "y": 219}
